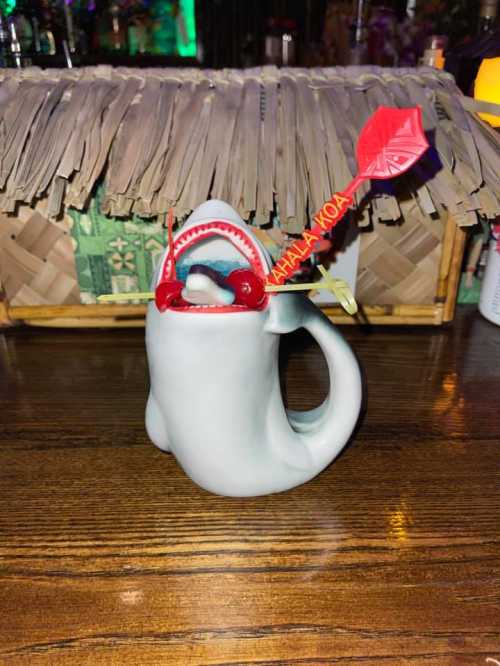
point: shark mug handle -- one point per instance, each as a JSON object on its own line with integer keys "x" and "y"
{"x": 215, "y": 399}
{"x": 325, "y": 430}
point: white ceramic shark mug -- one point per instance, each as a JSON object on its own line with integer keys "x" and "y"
{"x": 215, "y": 399}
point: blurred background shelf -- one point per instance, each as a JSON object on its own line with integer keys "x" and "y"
{"x": 250, "y": 33}
{"x": 146, "y": 60}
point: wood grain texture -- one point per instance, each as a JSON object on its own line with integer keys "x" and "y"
{"x": 123, "y": 315}
{"x": 110, "y": 555}
{"x": 455, "y": 273}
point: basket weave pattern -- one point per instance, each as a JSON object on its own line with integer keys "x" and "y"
{"x": 399, "y": 263}
{"x": 37, "y": 261}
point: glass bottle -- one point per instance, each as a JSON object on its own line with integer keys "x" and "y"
{"x": 112, "y": 28}
{"x": 487, "y": 16}
{"x": 21, "y": 17}
{"x": 48, "y": 28}
{"x": 272, "y": 43}
{"x": 288, "y": 43}
{"x": 4, "y": 42}
{"x": 15, "y": 46}
{"x": 358, "y": 36}
{"x": 434, "y": 49}
{"x": 69, "y": 26}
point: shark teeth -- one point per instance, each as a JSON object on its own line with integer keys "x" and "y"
{"x": 236, "y": 236}
{"x": 241, "y": 240}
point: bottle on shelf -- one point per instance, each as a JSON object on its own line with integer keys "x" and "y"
{"x": 37, "y": 44}
{"x": 70, "y": 36}
{"x": 358, "y": 36}
{"x": 112, "y": 29}
{"x": 487, "y": 16}
{"x": 156, "y": 32}
{"x": 4, "y": 42}
{"x": 464, "y": 60}
{"x": 288, "y": 43}
{"x": 21, "y": 17}
{"x": 382, "y": 43}
{"x": 411, "y": 9}
{"x": 48, "y": 28}
{"x": 272, "y": 43}
{"x": 116, "y": 27}
{"x": 15, "y": 46}
{"x": 434, "y": 49}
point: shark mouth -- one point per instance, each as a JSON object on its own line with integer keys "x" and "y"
{"x": 215, "y": 266}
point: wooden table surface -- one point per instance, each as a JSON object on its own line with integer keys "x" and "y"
{"x": 110, "y": 555}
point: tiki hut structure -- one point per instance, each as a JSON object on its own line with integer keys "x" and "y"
{"x": 120, "y": 147}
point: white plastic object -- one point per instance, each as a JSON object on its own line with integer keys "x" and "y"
{"x": 202, "y": 290}
{"x": 489, "y": 300}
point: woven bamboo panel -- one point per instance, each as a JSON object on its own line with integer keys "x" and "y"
{"x": 399, "y": 263}
{"x": 37, "y": 262}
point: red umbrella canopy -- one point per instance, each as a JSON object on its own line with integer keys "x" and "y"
{"x": 390, "y": 143}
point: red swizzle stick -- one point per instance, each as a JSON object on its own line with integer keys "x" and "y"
{"x": 391, "y": 141}
{"x": 169, "y": 290}
{"x": 170, "y": 225}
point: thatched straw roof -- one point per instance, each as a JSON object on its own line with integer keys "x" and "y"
{"x": 256, "y": 138}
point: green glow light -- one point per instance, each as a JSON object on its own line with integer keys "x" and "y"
{"x": 188, "y": 48}
{"x": 8, "y": 6}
